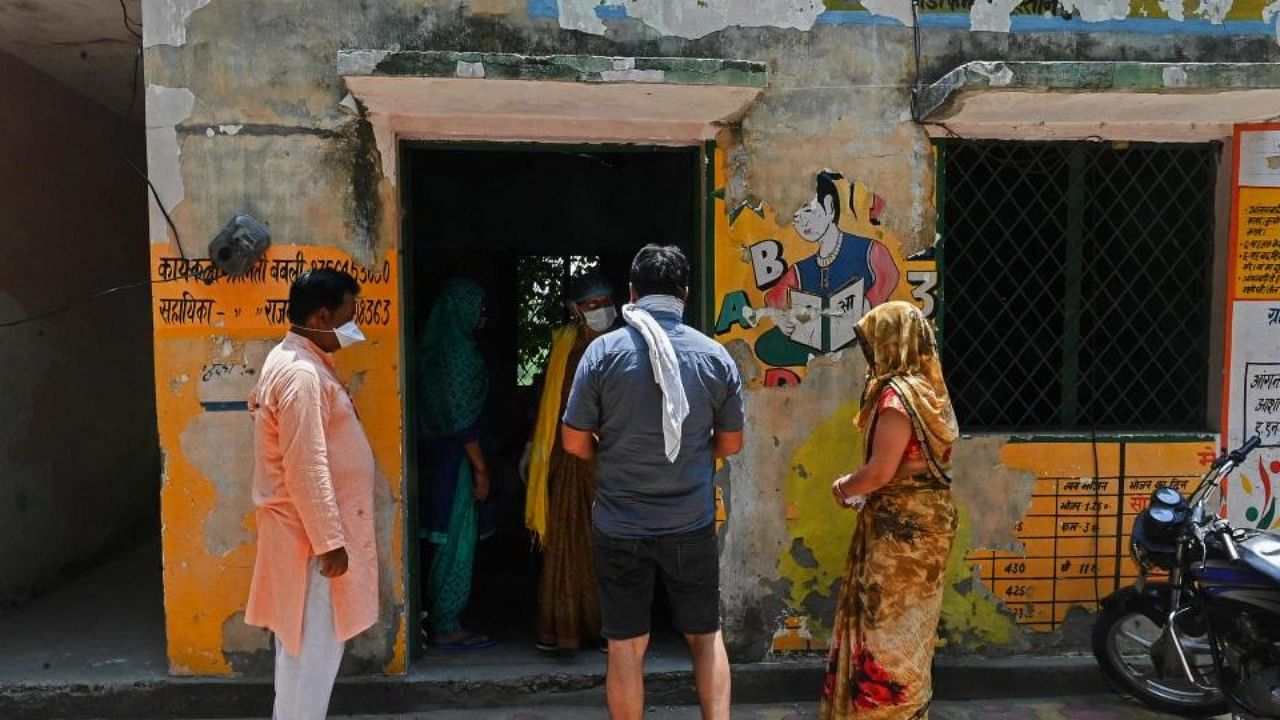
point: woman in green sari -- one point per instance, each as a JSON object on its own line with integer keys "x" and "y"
{"x": 453, "y": 386}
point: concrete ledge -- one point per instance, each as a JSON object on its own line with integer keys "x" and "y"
{"x": 571, "y": 68}
{"x": 1095, "y": 76}
{"x": 779, "y": 681}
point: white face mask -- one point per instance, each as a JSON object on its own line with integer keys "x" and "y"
{"x": 348, "y": 334}
{"x": 601, "y": 319}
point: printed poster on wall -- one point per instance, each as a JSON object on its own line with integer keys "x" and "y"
{"x": 1251, "y": 399}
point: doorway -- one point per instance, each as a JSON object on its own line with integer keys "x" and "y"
{"x": 521, "y": 221}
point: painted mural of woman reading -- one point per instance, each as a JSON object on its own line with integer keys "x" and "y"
{"x": 891, "y": 596}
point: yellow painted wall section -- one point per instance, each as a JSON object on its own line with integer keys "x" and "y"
{"x": 1075, "y": 535}
{"x": 212, "y": 334}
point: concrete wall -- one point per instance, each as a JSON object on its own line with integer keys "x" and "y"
{"x": 244, "y": 113}
{"x": 79, "y": 463}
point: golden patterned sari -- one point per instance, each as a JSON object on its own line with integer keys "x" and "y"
{"x": 881, "y": 656}
{"x": 568, "y": 603}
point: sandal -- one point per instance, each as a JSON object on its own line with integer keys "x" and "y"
{"x": 469, "y": 640}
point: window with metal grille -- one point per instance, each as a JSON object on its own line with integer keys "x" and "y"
{"x": 1076, "y": 284}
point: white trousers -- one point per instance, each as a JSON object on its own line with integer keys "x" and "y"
{"x": 304, "y": 683}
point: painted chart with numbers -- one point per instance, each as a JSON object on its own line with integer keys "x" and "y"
{"x": 1075, "y": 534}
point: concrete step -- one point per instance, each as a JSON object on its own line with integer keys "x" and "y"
{"x": 781, "y": 681}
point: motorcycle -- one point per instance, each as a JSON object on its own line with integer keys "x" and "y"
{"x": 1206, "y": 641}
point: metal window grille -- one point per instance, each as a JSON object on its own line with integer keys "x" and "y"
{"x": 1076, "y": 284}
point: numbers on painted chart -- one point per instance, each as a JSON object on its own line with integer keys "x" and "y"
{"x": 1015, "y": 568}
{"x": 1019, "y": 591}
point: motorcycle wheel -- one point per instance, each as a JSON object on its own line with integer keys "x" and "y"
{"x": 1126, "y": 644}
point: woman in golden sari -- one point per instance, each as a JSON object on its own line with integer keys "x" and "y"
{"x": 891, "y": 596}
{"x": 561, "y": 487}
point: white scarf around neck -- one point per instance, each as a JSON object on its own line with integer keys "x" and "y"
{"x": 666, "y": 366}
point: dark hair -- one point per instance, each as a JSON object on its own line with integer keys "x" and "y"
{"x": 589, "y": 285}
{"x": 827, "y": 189}
{"x": 660, "y": 270}
{"x": 320, "y": 288}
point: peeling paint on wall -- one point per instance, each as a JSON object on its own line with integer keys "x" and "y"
{"x": 992, "y": 15}
{"x": 1215, "y": 11}
{"x": 1098, "y": 10}
{"x": 166, "y": 108}
{"x": 1270, "y": 13}
{"x": 680, "y": 18}
{"x": 165, "y": 23}
{"x": 1175, "y": 9}
{"x": 896, "y": 9}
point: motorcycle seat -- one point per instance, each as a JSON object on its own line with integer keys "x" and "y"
{"x": 1261, "y": 554}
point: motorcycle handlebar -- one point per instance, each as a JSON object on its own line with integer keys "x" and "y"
{"x": 1229, "y": 543}
{"x": 1239, "y": 454}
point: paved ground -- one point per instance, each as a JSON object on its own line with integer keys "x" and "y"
{"x": 1088, "y": 708}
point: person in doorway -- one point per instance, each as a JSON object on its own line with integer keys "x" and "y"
{"x": 315, "y": 579}
{"x": 453, "y": 388}
{"x": 561, "y": 486}
{"x": 657, "y": 403}
{"x": 891, "y": 596}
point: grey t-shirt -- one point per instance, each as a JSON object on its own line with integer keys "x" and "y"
{"x": 639, "y": 494}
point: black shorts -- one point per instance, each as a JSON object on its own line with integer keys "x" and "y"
{"x": 690, "y": 568}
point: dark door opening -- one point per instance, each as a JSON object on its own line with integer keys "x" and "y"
{"x": 520, "y": 220}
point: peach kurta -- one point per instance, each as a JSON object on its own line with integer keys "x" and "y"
{"x": 313, "y": 487}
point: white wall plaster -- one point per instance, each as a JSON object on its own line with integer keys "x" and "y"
{"x": 1098, "y": 10}
{"x": 1269, "y": 15}
{"x": 1174, "y": 9}
{"x": 164, "y": 22}
{"x": 899, "y": 10}
{"x": 921, "y": 149}
{"x": 992, "y": 15}
{"x": 1174, "y": 77}
{"x": 166, "y": 107}
{"x": 230, "y": 129}
{"x": 360, "y": 62}
{"x": 469, "y": 69}
{"x": 682, "y": 18}
{"x": 580, "y": 15}
{"x": 1215, "y": 11}
{"x": 634, "y": 76}
{"x": 997, "y": 73}
{"x": 384, "y": 136}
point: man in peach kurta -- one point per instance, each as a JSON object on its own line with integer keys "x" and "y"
{"x": 315, "y": 582}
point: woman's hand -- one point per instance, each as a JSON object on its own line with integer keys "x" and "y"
{"x": 481, "y": 491}
{"x": 838, "y": 492}
{"x": 846, "y": 502}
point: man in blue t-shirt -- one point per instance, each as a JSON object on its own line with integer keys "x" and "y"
{"x": 657, "y": 402}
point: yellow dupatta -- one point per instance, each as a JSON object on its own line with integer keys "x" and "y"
{"x": 544, "y": 430}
